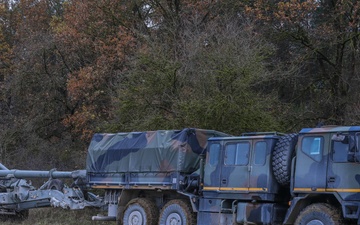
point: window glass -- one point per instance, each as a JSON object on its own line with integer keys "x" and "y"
{"x": 340, "y": 151}
{"x": 242, "y": 153}
{"x": 237, "y": 153}
{"x": 214, "y": 154}
{"x": 260, "y": 153}
{"x": 312, "y": 146}
{"x": 230, "y": 154}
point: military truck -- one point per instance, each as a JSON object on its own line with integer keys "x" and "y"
{"x": 195, "y": 176}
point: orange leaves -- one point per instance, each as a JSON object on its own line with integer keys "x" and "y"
{"x": 86, "y": 90}
{"x": 81, "y": 82}
{"x": 350, "y": 11}
{"x": 261, "y": 9}
{"x": 114, "y": 48}
{"x": 302, "y": 12}
{"x": 97, "y": 41}
{"x": 79, "y": 121}
{"x": 295, "y": 11}
{"x": 198, "y": 8}
{"x": 34, "y": 16}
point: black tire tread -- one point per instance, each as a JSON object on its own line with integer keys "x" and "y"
{"x": 149, "y": 207}
{"x": 282, "y": 156}
{"x": 190, "y": 215}
{"x": 324, "y": 209}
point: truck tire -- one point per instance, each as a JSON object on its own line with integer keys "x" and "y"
{"x": 282, "y": 156}
{"x": 177, "y": 212}
{"x": 319, "y": 214}
{"x": 140, "y": 211}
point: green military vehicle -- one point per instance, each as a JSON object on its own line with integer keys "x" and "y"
{"x": 205, "y": 177}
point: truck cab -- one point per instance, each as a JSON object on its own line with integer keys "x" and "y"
{"x": 326, "y": 171}
{"x": 311, "y": 177}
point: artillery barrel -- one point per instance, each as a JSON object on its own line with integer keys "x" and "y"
{"x": 36, "y": 174}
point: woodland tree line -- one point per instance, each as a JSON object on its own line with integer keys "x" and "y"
{"x": 71, "y": 68}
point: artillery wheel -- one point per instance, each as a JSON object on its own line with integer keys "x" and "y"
{"x": 140, "y": 211}
{"x": 282, "y": 156}
{"x": 319, "y": 214}
{"x": 177, "y": 212}
{"x": 55, "y": 184}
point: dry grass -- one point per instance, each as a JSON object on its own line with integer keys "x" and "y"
{"x": 57, "y": 216}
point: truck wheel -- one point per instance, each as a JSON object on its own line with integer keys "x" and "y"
{"x": 319, "y": 214}
{"x": 282, "y": 156}
{"x": 177, "y": 212}
{"x": 140, "y": 211}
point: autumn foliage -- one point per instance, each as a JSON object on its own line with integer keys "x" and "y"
{"x": 96, "y": 42}
{"x": 69, "y": 69}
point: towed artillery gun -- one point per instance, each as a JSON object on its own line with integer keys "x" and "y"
{"x": 17, "y": 195}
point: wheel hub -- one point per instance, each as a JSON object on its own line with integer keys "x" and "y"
{"x": 135, "y": 218}
{"x": 174, "y": 219}
{"x": 315, "y": 222}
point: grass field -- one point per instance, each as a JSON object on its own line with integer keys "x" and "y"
{"x": 57, "y": 216}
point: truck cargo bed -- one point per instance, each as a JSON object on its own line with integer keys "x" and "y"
{"x": 151, "y": 158}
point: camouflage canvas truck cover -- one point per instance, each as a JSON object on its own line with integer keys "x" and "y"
{"x": 152, "y": 158}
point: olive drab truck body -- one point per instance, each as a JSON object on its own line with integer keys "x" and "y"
{"x": 203, "y": 177}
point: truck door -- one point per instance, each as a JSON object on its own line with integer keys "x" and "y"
{"x": 343, "y": 173}
{"x": 259, "y": 168}
{"x": 213, "y": 166}
{"x": 235, "y": 171}
{"x": 311, "y": 163}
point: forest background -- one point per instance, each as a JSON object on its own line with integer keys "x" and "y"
{"x": 72, "y": 68}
